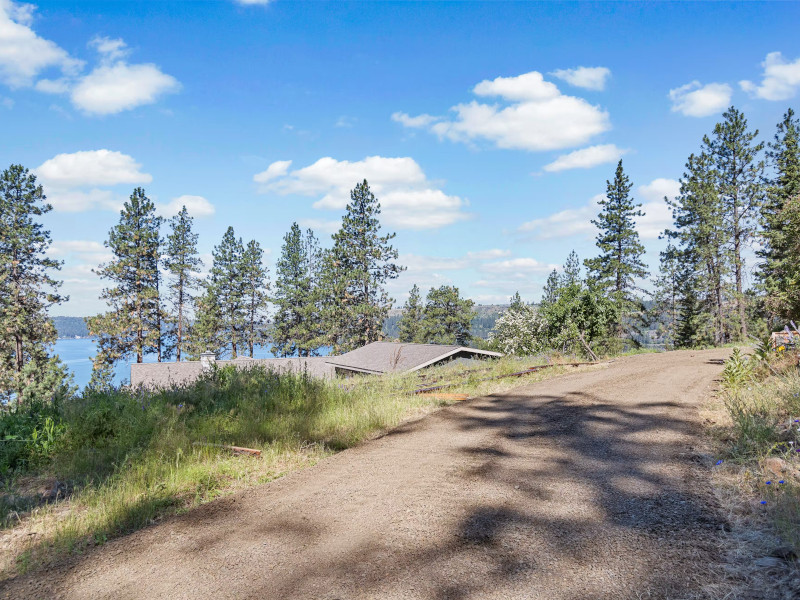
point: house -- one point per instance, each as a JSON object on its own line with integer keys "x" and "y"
{"x": 379, "y": 358}
{"x": 376, "y": 358}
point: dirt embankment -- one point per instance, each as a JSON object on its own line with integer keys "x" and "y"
{"x": 592, "y": 485}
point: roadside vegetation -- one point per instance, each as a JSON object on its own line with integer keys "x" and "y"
{"x": 85, "y": 469}
{"x": 759, "y": 464}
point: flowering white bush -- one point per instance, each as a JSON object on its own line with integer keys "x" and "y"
{"x": 520, "y": 331}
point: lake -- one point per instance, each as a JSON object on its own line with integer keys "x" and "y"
{"x": 77, "y": 355}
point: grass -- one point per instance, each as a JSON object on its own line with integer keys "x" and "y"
{"x": 760, "y": 443}
{"x": 131, "y": 458}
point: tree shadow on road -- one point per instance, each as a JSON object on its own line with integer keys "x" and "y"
{"x": 589, "y": 499}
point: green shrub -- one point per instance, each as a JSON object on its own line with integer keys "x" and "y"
{"x": 738, "y": 371}
{"x": 29, "y": 436}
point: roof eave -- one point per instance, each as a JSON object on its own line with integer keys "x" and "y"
{"x": 456, "y": 351}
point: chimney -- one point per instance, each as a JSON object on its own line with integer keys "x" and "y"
{"x": 207, "y": 361}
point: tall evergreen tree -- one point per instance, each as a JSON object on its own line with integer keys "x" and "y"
{"x": 182, "y": 263}
{"x": 206, "y": 333}
{"x": 410, "y": 325}
{"x": 550, "y": 291}
{"x": 27, "y": 289}
{"x": 447, "y": 316}
{"x": 779, "y": 272}
{"x": 227, "y": 284}
{"x": 515, "y": 303}
{"x": 740, "y": 175}
{"x": 667, "y": 293}
{"x": 620, "y": 261}
{"x": 132, "y": 325}
{"x": 296, "y": 328}
{"x": 356, "y": 270}
{"x": 701, "y": 237}
{"x": 571, "y": 272}
{"x": 255, "y": 278}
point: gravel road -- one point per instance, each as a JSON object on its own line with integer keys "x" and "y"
{"x": 586, "y": 486}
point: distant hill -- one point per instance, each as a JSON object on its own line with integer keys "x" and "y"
{"x": 70, "y": 327}
{"x": 481, "y": 325}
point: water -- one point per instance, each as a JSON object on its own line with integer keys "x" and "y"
{"x": 77, "y": 355}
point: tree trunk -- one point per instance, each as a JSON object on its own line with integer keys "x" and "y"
{"x": 180, "y": 325}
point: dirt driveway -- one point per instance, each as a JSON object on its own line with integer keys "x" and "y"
{"x": 587, "y": 486}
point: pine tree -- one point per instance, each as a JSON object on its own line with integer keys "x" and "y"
{"x": 207, "y": 332}
{"x": 515, "y": 303}
{"x": 132, "y": 325}
{"x": 740, "y": 186}
{"x": 255, "y": 278}
{"x": 574, "y": 310}
{"x": 296, "y": 328}
{"x": 666, "y": 294}
{"x": 356, "y": 270}
{"x": 27, "y": 289}
{"x": 410, "y": 325}
{"x": 571, "y": 272}
{"x": 779, "y": 273}
{"x": 620, "y": 261}
{"x": 550, "y": 291}
{"x": 700, "y": 234}
{"x": 182, "y": 263}
{"x": 227, "y": 286}
{"x": 447, "y": 316}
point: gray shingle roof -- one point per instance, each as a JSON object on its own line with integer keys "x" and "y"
{"x": 375, "y": 358}
{"x": 393, "y": 357}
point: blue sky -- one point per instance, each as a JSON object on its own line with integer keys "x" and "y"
{"x": 487, "y": 130}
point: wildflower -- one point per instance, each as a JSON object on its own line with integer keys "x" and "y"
{"x": 763, "y": 502}
{"x": 180, "y": 405}
{"x": 781, "y": 481}
{"x": 769, "y": 483}
{"x": 719, "y": 462}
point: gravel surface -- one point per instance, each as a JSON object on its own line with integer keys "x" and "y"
{"x": 591, "y": 485}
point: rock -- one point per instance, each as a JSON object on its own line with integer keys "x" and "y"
{"x": 784, "y": 552}
{"x": 768, "y": 562}
{"x": 53, "y": 491}
{"x": 776, "y": 466}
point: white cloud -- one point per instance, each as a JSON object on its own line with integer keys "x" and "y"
{"x": 657, "y": 217}
{"x": 345, "y": 121}
{"x": 591, "y": 78}
{"x": 23, "y": 54}
{"x": 697, "y": 100}
{"x": 113, "y": 85}
{"x": 492, "y": 254}
{"x": 320, "y": 225}
{"x": 586, "y": 158}
{"x": 112, "y": 88}
{"x": 76, "y": 200}
{"x": 408, "y": 199}
{"x": 780, "y": 79}
{"x": 565, "y": 223}
{"x": 277, "y": 169}
{"x": 197, "y": 206}
{"x": 657, "y": 213}
{"x": 110, "y": 49}
{"x": 73, "y": 181}
{"x": 578, "y": 221}
{"x": 413, "y": 122}
{"x": 658, "y": 188}
{"x": 518, "y": 267}
{"x": 91, "y": 167}
{"x": 539, "y": 116}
